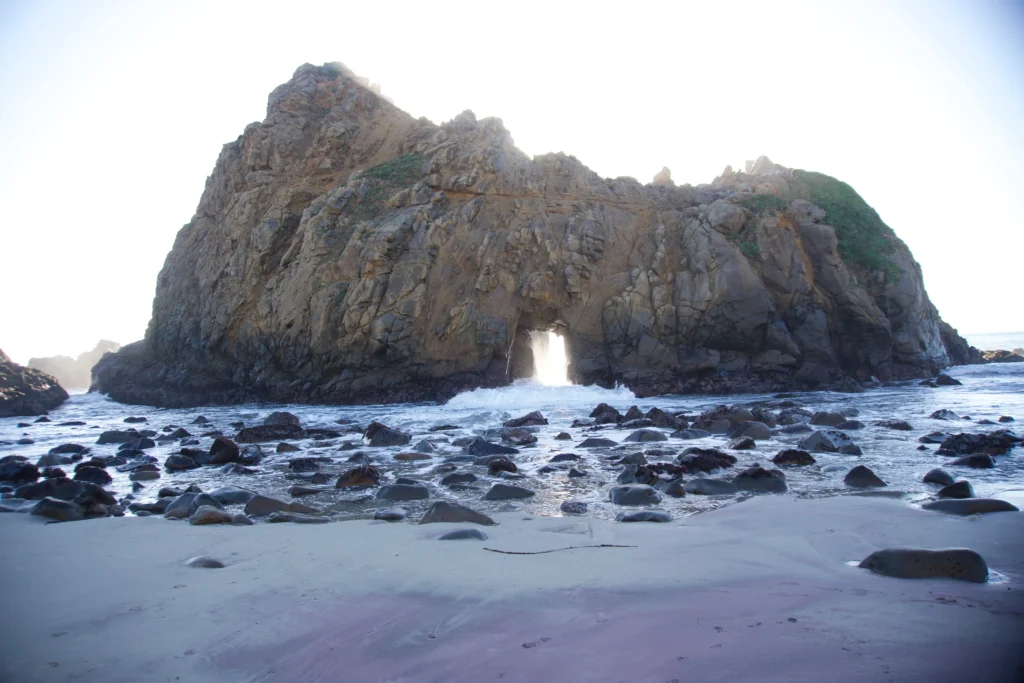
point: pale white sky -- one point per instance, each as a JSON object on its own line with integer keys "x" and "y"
{"x": 114, "y": 112}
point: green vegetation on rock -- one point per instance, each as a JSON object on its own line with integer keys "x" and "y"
{"x": 864, "y": 240}
{"x": 386, "y": 179}
{"x": 750, "y": 249}
{"x": 757, "y": 204}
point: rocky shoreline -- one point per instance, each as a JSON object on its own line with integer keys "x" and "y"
{"x": 25, "y": 392}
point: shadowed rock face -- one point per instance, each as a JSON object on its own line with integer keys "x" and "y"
{"x": 25, "y": 391}
{"x": 346, "y": 252}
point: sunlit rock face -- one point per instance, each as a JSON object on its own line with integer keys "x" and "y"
{"x": 346, "y": 252}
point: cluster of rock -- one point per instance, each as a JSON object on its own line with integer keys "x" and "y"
{"x": 361, "y": 255}
{"x": 74, "y": 373}
{"x": 25, "y": 391}
{"x": 1003, "y": 356}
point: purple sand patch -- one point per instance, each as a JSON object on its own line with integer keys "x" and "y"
{"x": 783, "y": 631}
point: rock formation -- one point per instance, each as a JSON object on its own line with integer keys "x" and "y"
{"x": 344, "y": 251}
{"x": 74, "y": 373}
{"x": 25, "y": 391}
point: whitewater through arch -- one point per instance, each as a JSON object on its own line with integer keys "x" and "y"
{"x": 550, "y": 362}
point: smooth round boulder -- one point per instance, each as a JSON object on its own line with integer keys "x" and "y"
{"x": 634, "y": 494}
{"x": 94, "y": 475}
{"x": 753, "y": 429}
{"x": 179, "y": 463}
{"x": 760, "y": 480}
{"x": 463, "y": 535}
{"x": 645, "y": 436}
{"x": 281, "y": 418}
{"x": 390, "y": 515}
{"x": 978, "y": 461}
{"x": 744, "y": 443}
{"x": 826, "y": 441}
{"x": 970, "y": 506}
{"x": 961, "y": 564}
{"x": 443, "y": 511}
{"x": 204, "y": 562}
{"x": 594, "y": 442}
{"x": 365, "y": 476}
{"x": 644, "y": 516}
{"x": 232, "y": 495}
{"x": 710, "y": 487}
{"x": 58, "y": 510}
{"x": 794, "y": 457}
{"x": 960, "y": 489}
{"x": 458, "y": 478}
{"x": 207, "y": 514}
{"x": 938, "y": 476}
{"x": 508, "y": 492}
{"x": 862, "y": 477}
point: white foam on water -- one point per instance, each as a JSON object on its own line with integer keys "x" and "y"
{"x": 528, "y": 393}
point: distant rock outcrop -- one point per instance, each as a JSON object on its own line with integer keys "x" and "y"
{"x": 74, "y": 373}
{"x": 25, "y": 391}
{"x": 1003, "y": 356}
{"x": 346, "y": 252}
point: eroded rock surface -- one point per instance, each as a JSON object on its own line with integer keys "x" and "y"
{"x": 26, "y": 391}
{"x": 346, "y": 252}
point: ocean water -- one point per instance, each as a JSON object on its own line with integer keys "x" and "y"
{"x": 988, "y": 392}
{"x": 995, "y": 341}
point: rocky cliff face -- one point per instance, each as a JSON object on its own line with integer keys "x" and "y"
{"x": 24, "y": 391}
{"x": 346, "y": 252}
{"x": 74, "y": 373}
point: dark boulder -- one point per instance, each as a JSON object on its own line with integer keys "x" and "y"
{"x": 518, "y": 437}
{"x": 18, "y": 470}
{"x": 480, "y": 447}
{"x": 178, "y": 462}
{"x": 793, "y": 456}
{"x": 364, "y": 476}
{"x": 223, "y": 451}
{"x": 380, "y": 435}
{"x": 403, "y": 492}
{"x": 994, "y": 443}
{"x": 443, "y": 511}
{"x": 980, "y": 461}
{"x": 944, "y": 380}
{"x": 508, "y": 492}
{"x": 759, "y": 479}
{"x": 528, "y": 420}
{"x": 593, "y": 442}
{"x": 59, "y": 510}
{"x": 705, "y": 459}
{"x": 94, "y": 475}
{"x": 938, "y": 476}
{"x": 264, "y": 433}
{"x": 115, "y": 436}
{"x": 281, "y": 419}
{"x": 862, "y": 477}
{"x": 959, "y": 489}
{"x": 900, "y": 425}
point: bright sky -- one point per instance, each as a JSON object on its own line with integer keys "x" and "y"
{"x": 114, "y": 113}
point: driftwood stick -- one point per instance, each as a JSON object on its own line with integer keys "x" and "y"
{"x": 572, "y": 547}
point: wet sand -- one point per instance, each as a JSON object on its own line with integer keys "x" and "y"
{"x": 760, "y": 590}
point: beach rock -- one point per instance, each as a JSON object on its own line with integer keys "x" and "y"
{"x": 637, "y": 474}
{"x": 705, "y": 459}
{"x": 458, "y": 478}
{"x": 116, "y": 436}
{"x": 862, "y": 477}
{"x": 916, "y": 563}
{"x": 761, "y": 480}
{"x": 933, "y": 437}
{"x": 634, "y": 494}
{"x": 463, "y": 535}
{"x": 58, "y": 510}
{"x": 235, "y": 468}
{"x": 281, "y": 418}
{"x": 944, "y": 380}
{"x": 265, "y": 505}
{"x": 850, "y": 425}
{"x": 223, "y": 451}
{"x": 826, "y": 441}
{"x": 285, "y": 447}
{"x": 159, "y": 506}
{"x": 689, "y": 434}
{"x": 141, "y": 444}
{"x": 518, "y": 437}
{"x": 959, "y": 490}
{"x": 1005, "y": 418}
{"x": 232, "y": 495}
{"x": 938, "y": 476}
{"x": 900, "y": 425}
{"x": 144, "y": 475}
{"x": 508, "y": 492}
{"x": 750, "y": 428}
{"x": 605, "y": 414}
{"x": 206, "y": 514}
{"x": 593, "y": 442}
{"x": 944, "y": 414}
{"x": 528, "y": 420}
{"x": 69, "y": 448}
{"x": 303, "y": 465}
{"x": 241, "y": 519}
{"x": 744, "y": 443}
{"x": 565, "y": 457}
{"x": 443, "y": 511}
{"x": 499, "y": 463}
{"x": 676, "y": 489}
{"x": 424, "y": 446}
{"x": 390, "y": 515}
{"x": 298, "y": 490}
{"x": 481, "y": 447}
{"x": 827, "y": 419}
{"x": 978, "y": 461}
{"x": 643, "y": 516}
{"x": 18, "y": 470}
{"x": 200, "y": 420}
{"x": 573, "y": 507}
{"x": 563, "y": 436}
{"x": 632, "y": 459}
{"x": 250, "y": 455}
{"x": 364, "y": 476}
{"x": 642, "y": 436}
{"x": 998, "y": 442}
{"x": 95, "y": 475}
{"x": 710, "y": 487}
{"x": 178, "y": 463}
{"x": 264, "y": 433}
{"x": 970, "y": 506}
{"x": 412, "y": 457}
{"x": 793, "y": 456}
{"x": 380, "y": 435}
{"x": 54, "y": 473}
{"x": 403, "y": 492}
{"x": 296, "y": 518}
{"x": 204, "y": 562}
{"x": 443, "y": 428}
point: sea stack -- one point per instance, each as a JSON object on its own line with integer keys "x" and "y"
{"x": 344, "y": 251}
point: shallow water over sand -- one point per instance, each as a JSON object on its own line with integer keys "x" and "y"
{"x": 988, "y": 392}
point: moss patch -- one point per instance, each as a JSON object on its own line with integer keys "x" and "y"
{"x": 386, "y": 179}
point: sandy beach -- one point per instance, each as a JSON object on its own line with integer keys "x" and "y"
{"x": 760, "y": 590}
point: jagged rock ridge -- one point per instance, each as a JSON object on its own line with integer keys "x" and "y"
{"x": 74, "y": 373}
{"x": 25, "y": 391}
{"x": 345, "y": 252}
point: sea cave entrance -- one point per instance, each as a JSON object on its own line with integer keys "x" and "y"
{"x": 540, "y": 351}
